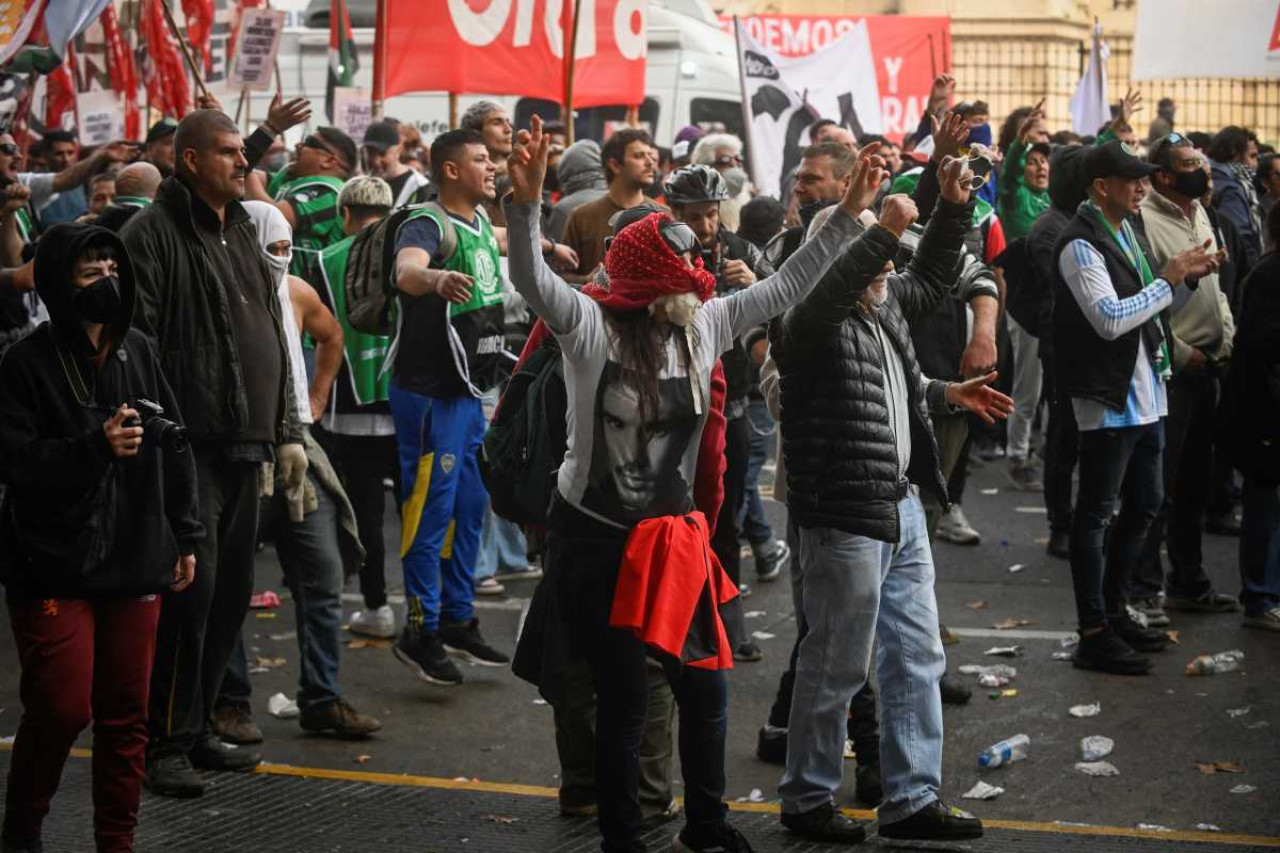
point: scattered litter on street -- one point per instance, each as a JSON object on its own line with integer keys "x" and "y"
{"x": 1004, "y": 651}
{"x": 1002, "y": 669}
{"x": 363, "y": 759}
{"x": 990, "y": 491}
{"x": 1173, "y": 637}
{"x": 1097, "y": 768}
{"x": 753, "y": 614}
{"x": 1086, "y": 710}
{"x": 1244, "y": 789}
{"x": 1062, "y": 655}
{"x": 270, "y": 662}
{"x": 1154, "y": 827}
{"x": 1033, "y": 510}
{"x": 264, "y": 600}
{"x": 993, "y": 680}
{"x": 1005, "y": 752}
{"x": 496, "y": 818}
{"x": 1211, "y": 767}
{"x": 1003, "y": 694}
{"x": 368, "y": 643}
{"x": 977, "y": 605}
{"x": 983, "y": 791}
{"x": 265, "y": 615}
{"x": 1208, "y": 827}
{"x": 1015, "y": 568}
{"x": 1011, "y": 623}
{"x": 287, "y": 635}
{"x": 849, "y": 752}
{"x": 1069, "y": 642}
{"x": 1261, "y": 724}
{"x": 1214, "y": 664}
{"x": 763, "y": 635}
{"x": 1095, "y": 747}
{"x": 282, "y": 707}
{"x": 1239, "y": 712}
{"x": 756, "y": 796}
{"x": 539, "y": 701}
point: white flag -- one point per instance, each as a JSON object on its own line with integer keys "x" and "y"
{"x": 1091, "y": 105}
{"x": 784, "y": 95}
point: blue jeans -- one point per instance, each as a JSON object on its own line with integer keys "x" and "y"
{"x": 312, "y": 563}
{"x": 502, "y": 547}
{"x": 1260, "y": 546}
{"x": 1116, "y": 466}
{"x": 861, "y": 593}
{"x": 442, "y": 506}
{"x": 751, "y": 518}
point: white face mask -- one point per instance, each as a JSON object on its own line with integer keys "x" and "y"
{"x": 681, "y": 308}
{"x": 736, "y": 178}
{"x": 279, "y": 265}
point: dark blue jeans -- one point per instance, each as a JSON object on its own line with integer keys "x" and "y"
{"x": 1116, "y": 466}
{"x": 1260, "y": 546}
{"x": 751, "y": 518}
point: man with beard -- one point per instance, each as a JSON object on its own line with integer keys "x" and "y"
{"x": 447, "y": 352}
{"x": 158, "y": 147}
{"x": 492, "y": 122}
{"x": 630, "y": 162}
{"x": 381, "y": 148}
{"x": 205, "y": 296}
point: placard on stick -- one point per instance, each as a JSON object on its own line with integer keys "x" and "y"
{"x": 352, "y": 111}
{"x": 255, "y": 58}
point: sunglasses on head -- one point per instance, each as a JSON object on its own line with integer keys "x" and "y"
{"x": 8, "y": 149}
{"x": 679, "y": 237}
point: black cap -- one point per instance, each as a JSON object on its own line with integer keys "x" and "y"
{"x": 1115, "y": 159}
{"x": 1043, "y": 147}
{"x": 164, "y": 127}
{"x": 381, "y": 135}
{"x": 342, "y": 144}
{"x": 631, "y": 215}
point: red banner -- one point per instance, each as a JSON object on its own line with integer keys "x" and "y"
{"x": 515, "y": 47}
{"x": 167, "y": 85}
{"x": 908, "y": 51}
{"x": 124, "y": 74}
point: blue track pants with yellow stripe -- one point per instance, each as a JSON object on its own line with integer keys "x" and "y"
{"x": 442, "y": 504}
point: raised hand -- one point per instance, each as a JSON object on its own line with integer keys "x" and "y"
{"x": 14, "y": 197}
{"x": 979, "y": 397}
{"x": 949, "y": 135}
{"x": 527, "y": 165}
{"x": 864, "y": 181}
{"x": 944, "y": 86}
{"x": 955, "y": 176}
{"x": 1192, "y": 263}
{"x": 1130, "y": 104}
{"x": 282, "y": 114}
{"x": 897, "y": 213}
{"x": 1029, "y": 123}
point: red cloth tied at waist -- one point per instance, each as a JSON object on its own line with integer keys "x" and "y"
{"x": 670, "y": 588}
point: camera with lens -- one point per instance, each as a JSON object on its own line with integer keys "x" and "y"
{"x": 157, "y": 429}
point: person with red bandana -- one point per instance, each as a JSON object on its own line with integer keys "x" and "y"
{"x": 633, "y": 556}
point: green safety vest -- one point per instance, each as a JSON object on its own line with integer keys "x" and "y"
{"x": 319, "y": 223}
{"x": 364, "y": 354}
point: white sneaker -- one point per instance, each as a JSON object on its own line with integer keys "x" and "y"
{"x": 489, "y": 586}
{"x": 1268, "y": 620}
{"x": 953, "y": 527}
{"x": 380, "y": 623}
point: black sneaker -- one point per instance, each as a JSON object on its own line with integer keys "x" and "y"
{"x": 748, "y": 652}
{"x": 727, "y": 840}
{"x": 424, "y": 653}
{"x": 1059, "y": 544}
{"x": 1104, "y": 651}
{"x": 771, "y": 745}
{"x": 209, "y": 753}
{"x": 825, "y": 824}
{"x": 173, "y": 776}
{"x": 771, "y": 563}
{"x": 867, "y": 787}
{"x": 954, "y": 691}
{"x": 466, "y": 640}
{"x": 1138, "y": 638}
{"x": 1207, "y": 602}
{"x": 934, "y": 822}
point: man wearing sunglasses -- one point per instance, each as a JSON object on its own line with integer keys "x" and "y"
{"x": 306, "y": 192}
{"x": 45, "y": 187}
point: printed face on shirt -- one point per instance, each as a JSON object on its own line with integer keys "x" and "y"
{"x": 635, "y": 472}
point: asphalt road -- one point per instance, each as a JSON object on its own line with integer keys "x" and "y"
{"x": 493, "y": 727}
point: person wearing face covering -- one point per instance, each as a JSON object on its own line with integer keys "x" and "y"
{"x": 100, "y": 517}
{"x": 313, "y": 525}
{"x": 634, "y": 556}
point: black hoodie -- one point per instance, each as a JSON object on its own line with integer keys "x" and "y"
{"x": 1067, "y": 189}
{"x": 78, "y": 522}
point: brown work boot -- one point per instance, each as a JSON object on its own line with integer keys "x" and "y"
{"x": 234, "y": 723}
{"x": 338, "y": 719}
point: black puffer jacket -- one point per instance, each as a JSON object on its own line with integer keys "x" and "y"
{"x": 183, "y": 307}
{"x": 77, "y": 521}
{"x": 839, "y": 447}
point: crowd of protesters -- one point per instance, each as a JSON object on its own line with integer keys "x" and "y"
{"x": 210, "y": 342}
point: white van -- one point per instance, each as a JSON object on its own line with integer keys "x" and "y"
{"x": 691, "y": 76}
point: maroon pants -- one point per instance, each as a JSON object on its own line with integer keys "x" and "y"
{"x": 82, "y": 661}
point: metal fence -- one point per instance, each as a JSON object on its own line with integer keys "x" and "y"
{"x": 1009, "y": 71}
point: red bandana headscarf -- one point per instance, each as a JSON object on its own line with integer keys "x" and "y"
{"x": 642, "y": 268}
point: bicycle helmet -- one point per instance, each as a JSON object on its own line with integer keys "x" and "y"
{"x": 695, "y": 184}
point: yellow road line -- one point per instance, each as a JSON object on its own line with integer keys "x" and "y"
{"x": 441, "y": 784}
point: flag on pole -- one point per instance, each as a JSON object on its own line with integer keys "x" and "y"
{"x": 1091, "y": 105}
{"x": 123, "y": 72}
{"x": 343, "y": 61}
{"x": 199, "y": 15}
{"x": 17, "y": 23}
{"x": 66, "y": 19}
{"x": 166, "y": 76}
{"x": 60, "y": 95}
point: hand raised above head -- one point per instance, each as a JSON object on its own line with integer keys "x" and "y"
{"x": 527, "y": 165}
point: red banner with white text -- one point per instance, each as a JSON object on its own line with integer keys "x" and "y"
{"x": 908, "y": 52}
{"x": 515, "y": 47}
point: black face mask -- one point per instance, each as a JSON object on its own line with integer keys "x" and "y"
{"x": 1192, "y": 184}
{"x": 99, "y": 302}
{"x": 811, "y": 209}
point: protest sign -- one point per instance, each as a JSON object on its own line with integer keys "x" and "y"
{"x": 255, "y": 57}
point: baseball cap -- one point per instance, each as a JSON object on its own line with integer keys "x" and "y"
{"x": 164, "y": 127}
{"x": 1115, "y": 159}
{"x": 342, "y": 144}
{"x": 381, "y": 135}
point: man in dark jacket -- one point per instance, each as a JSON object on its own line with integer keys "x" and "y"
{"x": 855, "y": 434}
{"x": 206, "y": 297}
{"x": 1112, "y": 346}
{"x": 100, "y": 516}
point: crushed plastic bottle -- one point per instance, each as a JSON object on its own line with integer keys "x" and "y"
{"x": 1001, "y": 669}
{"x": 1096, "y": 747}
{"x": 993, "y": 680}
{"x": 1005, "y": 752}
{"x": 1216, "y": 664}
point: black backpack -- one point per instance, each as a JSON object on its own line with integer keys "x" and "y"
{"x": 526, "y": 441}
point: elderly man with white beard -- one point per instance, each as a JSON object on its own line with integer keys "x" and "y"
{"x": 859, "y": 444}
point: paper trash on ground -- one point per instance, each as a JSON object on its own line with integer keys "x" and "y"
{"x": 1086, "y": 710}
{"x": 1004, "y": 651}
{"x": 983, "y": 791}
{"x": 282, "y": 707}
{"x": 1097, "y": 768}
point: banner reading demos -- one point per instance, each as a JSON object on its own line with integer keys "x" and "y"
{"x": 516, "y": 47}
{"x": 783, "y": 94}
{"x": 907, "y": 52}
